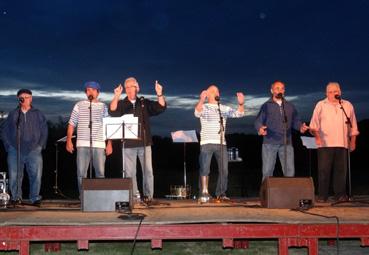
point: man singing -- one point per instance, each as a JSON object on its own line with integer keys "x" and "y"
{"x": 80, "y": 118}
{"x": 213, "y": 117}
{"x": 25, "y": 131}
{"x": 142, "y": 108}
{"x": 335, "y": 134}
{"x": 275, "y": 121}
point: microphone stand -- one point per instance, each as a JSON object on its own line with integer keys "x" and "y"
{"x": 221, "y": 132}
{"x": 284, "y": 133}
{"x": 90, "y": 127}
{"x": 349, "y": 126}
{"x": 18, "y": 153}
{"x": 142, "y": 102}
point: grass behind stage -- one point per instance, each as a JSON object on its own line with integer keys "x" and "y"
{"x": 265, "y": 247}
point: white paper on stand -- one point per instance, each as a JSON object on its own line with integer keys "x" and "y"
{"x": 184, "y": 136}
{"x": 112, "y": 127}
{"x": 309, "y": 142}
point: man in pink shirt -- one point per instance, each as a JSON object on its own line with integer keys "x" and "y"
{"x": 334, "y": 137}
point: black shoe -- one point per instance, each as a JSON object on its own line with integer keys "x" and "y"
{"x": 16, "y": 202}
{"x": 147, "y": 200}
{"x": 342, "y": 198}
{"x": 37, "y": 203}
{"x": 321, "y": 199}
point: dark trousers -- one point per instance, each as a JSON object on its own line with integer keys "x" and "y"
{"x": 332, "y": 159}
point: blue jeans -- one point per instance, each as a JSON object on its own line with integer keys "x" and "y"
{"x": 269, "y": 154}
{"x": 206, "y": 153}
{"x": 33, "y": 163}
{"x": 130, "y": 164}
{"x": 83, "y": 162}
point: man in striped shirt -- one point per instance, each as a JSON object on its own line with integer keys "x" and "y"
{"x": 80, "y": 118}
{"x": 212, "y": 115}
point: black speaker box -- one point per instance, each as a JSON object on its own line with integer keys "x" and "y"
{"x": 287, "y": 192}
{"x": 106, "y": 195}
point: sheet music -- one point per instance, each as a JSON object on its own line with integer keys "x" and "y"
{"x": 309, "y": 142}
{"x": 112, "y": 127}
{"x": 184, "y": 136}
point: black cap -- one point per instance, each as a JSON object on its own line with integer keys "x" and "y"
{"x": 24, "y": 91}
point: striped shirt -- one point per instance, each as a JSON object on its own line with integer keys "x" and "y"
{"x": 80, "y": 118}
{"x": 210, "y": 122}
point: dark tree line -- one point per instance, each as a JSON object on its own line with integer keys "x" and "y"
{"x": 168, "y": 163}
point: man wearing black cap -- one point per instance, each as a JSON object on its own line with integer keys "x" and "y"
{"x": 25, "y": 132}
{"x": 80, "y": 118}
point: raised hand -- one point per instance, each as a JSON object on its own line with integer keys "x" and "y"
{"x": 158, "y": 88}
{"x": 240, "y": 98}
{"x": 203, "y": 95}
{"x": 118, "y": 90}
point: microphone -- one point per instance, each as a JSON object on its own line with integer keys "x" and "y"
{"x": 338, "y": 97}
{"x": 279, "y": 96}
{"x": 217, "y": 98}
{"x": 90, "y": 97}
{"x": 21, "y": 99}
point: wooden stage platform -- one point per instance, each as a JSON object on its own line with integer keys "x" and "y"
{"x": 236, "y": 221}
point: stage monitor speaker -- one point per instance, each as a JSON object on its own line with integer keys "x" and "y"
{"x": 287, "y": 192}
{"x": 106, "y": 195}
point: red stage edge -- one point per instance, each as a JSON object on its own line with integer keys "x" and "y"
{"x": 288, "y": 235}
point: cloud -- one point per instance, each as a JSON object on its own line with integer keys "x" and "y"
{"x": 56, "y": 103}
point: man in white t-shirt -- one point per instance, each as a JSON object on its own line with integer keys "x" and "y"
{"x": 212, "y": 114}
{"x": 80, "y": 118}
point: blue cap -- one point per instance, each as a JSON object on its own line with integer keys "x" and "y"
{"x": 92, "y": 84}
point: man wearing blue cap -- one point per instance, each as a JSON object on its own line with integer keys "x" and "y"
{"x": 24, "y": 136}
{"x": 80, "y": 118}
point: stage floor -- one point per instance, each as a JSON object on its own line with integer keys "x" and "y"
{"x": 67, "y": 212}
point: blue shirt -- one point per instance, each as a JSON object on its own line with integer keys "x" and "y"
{"x": 271, "y": 115}
{"x": 32, "y": 128}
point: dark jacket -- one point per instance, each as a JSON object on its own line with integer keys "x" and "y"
{"x": 270, "y": 115}
{"x": 32, "y": 128}
{"x": 143, "y": 110}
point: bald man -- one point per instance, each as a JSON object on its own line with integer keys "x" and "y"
{"x": 212, "y": 140}
{"x": 277, "y": 116}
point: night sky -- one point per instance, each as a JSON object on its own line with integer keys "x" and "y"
{"x": 53, "y": 47}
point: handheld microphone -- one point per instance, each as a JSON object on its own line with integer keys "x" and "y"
{"x": 217, "y": 98}
{"x": 90, "y": 97}
{"x": 21, "y": 99}
{"x": 338, "y": 97}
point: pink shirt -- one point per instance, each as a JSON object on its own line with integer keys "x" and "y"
{"x": 330, "y": 121}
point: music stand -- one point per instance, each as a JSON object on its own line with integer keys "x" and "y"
{"x": 122, "y": 128}
{"x": 184, "y": 136}
{"x": 310, "y": 144}
{"x": 57, "y": 191}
